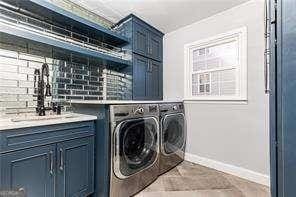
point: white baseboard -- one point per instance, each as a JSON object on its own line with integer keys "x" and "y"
{"x": 230, "y": 169}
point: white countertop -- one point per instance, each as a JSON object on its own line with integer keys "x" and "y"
{"x": 33, "y": 121}
{"x": 108, "y": 102}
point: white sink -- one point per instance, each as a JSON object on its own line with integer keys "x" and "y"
{"x": 38, "y": 118}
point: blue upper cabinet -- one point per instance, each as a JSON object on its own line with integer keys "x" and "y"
{"x": 155, "y": 46}
{"x": 140, "y": 39}
{"x": 147, "y": 78}
{"x": 146, "y": 40}
{"x": 147, "y": 48}
{"x": 141, "y": 67}
{"x": 153, "y": 80}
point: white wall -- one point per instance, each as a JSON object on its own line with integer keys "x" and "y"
{"x": 232, "y": 133}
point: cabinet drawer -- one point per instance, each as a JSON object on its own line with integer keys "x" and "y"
{"x": 16, "y": 139}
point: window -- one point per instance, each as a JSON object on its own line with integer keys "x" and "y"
{"x": 216, "y": 67}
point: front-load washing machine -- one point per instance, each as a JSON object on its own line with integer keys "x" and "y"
{"x": 173, "y": 135}
{"x": 134, "y": 148}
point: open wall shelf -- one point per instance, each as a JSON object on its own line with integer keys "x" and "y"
{"x": 21, "y": 26}
{"x": 31, "y": 36}
{"x": 53, "y": 14}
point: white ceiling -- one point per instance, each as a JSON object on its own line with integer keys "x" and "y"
{"x": 166, "y": 15}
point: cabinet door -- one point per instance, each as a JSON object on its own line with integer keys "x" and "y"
{"x": 31, "y": 170}
{"x": 155, "y": 46}
{"x": 75, "y": 166}
{"x": 140, "y": 39}
{"x": 140, "y": 66}
{"x": 153, "y": 90}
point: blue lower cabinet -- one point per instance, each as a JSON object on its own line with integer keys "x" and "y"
{"x": 31, "y": 170}
{"x": 75, "y": 168}
{"x": 62, "y": 167}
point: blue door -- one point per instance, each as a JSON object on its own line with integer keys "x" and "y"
{"x": 140, "y": 40}
{"x": 155, "y": 46}
{"x": 153, "y": 90}
{"x": 31, "y": 170}
{"x": 287, "y": 97}
{"x": 283, "y": 100}
{"x": 140, "y": 67}
{"x": 75, "y": 167}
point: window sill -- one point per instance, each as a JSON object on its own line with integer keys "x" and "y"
{"x": 217, "y": 101}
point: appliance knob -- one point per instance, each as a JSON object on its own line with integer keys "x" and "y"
{"x": 140, "y": 110}
{"x": 175, "y": 107}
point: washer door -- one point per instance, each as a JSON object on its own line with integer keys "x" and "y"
{"x": 173, "y": 136}
{"x": 136, "y": 146}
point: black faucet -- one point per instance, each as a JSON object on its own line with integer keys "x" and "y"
{"x": 40, "y": 109}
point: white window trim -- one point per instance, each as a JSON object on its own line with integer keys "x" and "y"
{"x": 241, "y": 35}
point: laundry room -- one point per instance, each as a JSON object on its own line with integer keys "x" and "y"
{"x": 147, "y": 98}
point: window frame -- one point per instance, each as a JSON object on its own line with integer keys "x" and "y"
{"x": 240, "y": 35}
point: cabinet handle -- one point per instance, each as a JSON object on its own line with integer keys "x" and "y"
{"x": 61, "y": 160}
{"x": 51, "y": 162}
{"x": 149, "y": 67}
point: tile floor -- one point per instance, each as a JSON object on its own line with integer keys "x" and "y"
{"x": 191, "y": 180}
